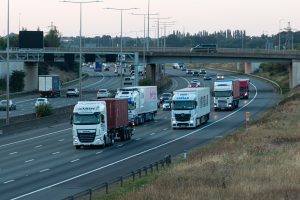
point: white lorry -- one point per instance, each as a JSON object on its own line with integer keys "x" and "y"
{"x": 49, "y": 85}
{"x": 226, "y": 94}
{"x": 190, "y": 107}
{"x": 98, "y": 123}
{"x": 142, "y": 103}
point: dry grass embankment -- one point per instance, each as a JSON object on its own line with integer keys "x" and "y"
{"x": 262, "y": 162}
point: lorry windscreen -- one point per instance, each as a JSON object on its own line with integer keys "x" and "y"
{"x": 223, "y": 93}
{"x": 80, "y": 119}
{"x": 184, "y": 105}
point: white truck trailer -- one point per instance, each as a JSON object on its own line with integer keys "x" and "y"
{"x": 142, "y": 103}
{"x": 49, "y": 85}
{"x": 190, "y": 107}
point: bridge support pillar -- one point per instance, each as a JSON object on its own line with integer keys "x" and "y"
{"x": 151, "y": 72}
{"x": 294, "y": 73}
{"x": 249, "y": 67}
{"x": 31, "y": 78}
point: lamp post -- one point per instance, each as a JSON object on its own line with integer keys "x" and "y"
{"x": 158, "y": 18}
{"x": 7, "y": 67}
{"x": 144, "y": 43}
{"x": 148, "y": 30}
{"x": 80, "y": 42}
{"x": 121, "y": 37}
{"x": 279, "y": 33}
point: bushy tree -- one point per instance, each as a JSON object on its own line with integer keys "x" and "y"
{"x": 17, "y": 81}
{"x": 52, "y": 39}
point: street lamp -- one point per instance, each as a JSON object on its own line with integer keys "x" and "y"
{"x": 158, "y": 18}
{"x": 7, "y": 67}
{"x": 80, "y": 42}
{"x": 121, "y": 37}
{"x": 144, "y": 44}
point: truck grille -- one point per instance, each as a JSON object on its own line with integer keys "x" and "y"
{"x": 86, "y": 137}
{"x": 222, "y": 103}
{"x": 182, "y": 117}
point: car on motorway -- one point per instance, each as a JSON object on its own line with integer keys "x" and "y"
{"x": 196, "y": 73}
{"x": 72, "y": 92}
{"x": 165, "y": 96}
{"x": 202, "y": 71}
{"x": 41, "y": 101}
{"x": 207, "y": 77}
{"x": 195, "y": 83}
{"x": 166, "y": 105}
{"x": 103, "y": 93}
{"x": 127, "y": 80}
{"x": 189, "y": 72}
{"x": 220, "y": 77}
{"x": 11, "y": 105}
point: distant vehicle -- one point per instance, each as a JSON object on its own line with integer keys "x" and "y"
{"x": 220, "y": 77}
{"x": 205, "y": 48}
{"x": 226, "y": 94}
{"x": 190, "y": 107}
{"x": 98, "y": 67}
{"x": 72, "y": 92}
{"x": 49, "y": 85}
{"x": 175, "y": 66}
{"x": 132, "y": 76}
{"x": 189, "y": 72}
{"x": 165, "y": 96}
{"x": 106, "y": 68}
{"x": 41, "y": 101}
{"x": 127, "y": 81}
{"x": 11, "y": 105}
{"x": 141, "y": 70}
{"x": 244, "y": 88}
{"x": 196, "y": 73}
{"x": 103, "y": 93}
{"x": 142, "y": 103}
{"x": 195, "y": 83}
{"x": 207, "y": 77}
{"x": 166, "y": 105}
{"x": 202, "y": 71}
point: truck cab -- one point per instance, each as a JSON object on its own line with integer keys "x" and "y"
{"x": 89, "y": 124}
{"x": 226, "y": 94}
{"x": 244, "y": 88}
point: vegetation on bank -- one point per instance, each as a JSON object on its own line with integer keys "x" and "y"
{"x": 261, "y": 162}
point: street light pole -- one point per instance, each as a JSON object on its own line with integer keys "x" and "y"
{"x": 148, "y": 25}
{"x": 121, "y": 38}
{"x": 80, "y": 42}
{"x": 7, "y": 67}
{"x": 279, "y": 34}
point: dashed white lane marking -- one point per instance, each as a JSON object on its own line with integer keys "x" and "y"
{"x": 137, "y": 139}
{"x": 75, "y": 160}
{"x": 38, "y": 146}
{"x": 44, "y": 170}
{"x": 12, "y": 153}
{"x": 165, "y": 129}
{"x": 27, "y": 161}
{"x": 55, "y": 153}
{"x": 120, "y": 145}
{"x": 99, "y": 152}
{"x": 61, "y": 140}
{"x": 8, "y": 181}
{"x": 152, "y": 133}
{"x": 219, "y": 136}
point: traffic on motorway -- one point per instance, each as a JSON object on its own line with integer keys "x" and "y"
{"x": 45, "y": 163}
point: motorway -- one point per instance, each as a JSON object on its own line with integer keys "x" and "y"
{"x": 43, "y": 164}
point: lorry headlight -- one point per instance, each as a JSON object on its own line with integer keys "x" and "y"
{"x": 191, "y": 121}
{"x": 229, "y": 105}
{"x": 215, "y": 105}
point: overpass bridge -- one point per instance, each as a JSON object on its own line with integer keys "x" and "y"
{"x": 156, "y": 56}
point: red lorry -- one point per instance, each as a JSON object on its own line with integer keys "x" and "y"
{"x": 244, "y": 88}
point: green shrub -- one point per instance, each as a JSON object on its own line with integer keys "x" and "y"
{"x": 43, "y": 110}
{"x": 145, "y": 82}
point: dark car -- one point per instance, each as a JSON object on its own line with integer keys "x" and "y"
{"x": 207, "y": 77}
{"x": 189, "y": 72}
{"x": 202, "y": 71}
{"x": 195, "y": 73}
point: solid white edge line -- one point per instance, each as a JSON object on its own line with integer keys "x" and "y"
{"x": 135, "y": 155}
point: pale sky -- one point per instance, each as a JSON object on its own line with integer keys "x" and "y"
{"x": 254, "y": 16}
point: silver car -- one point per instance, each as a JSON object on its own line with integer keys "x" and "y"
{"x": 11, "y": 105}
{"x": 103, "y": 93}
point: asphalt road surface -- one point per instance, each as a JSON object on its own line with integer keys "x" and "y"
{"x": 43, "y": 163}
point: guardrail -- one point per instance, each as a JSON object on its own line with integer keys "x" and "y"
{"x": 103, "y": 188}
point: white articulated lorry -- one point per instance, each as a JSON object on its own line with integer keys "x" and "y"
{"x": 190, "y": 107}
{"x": 99, "y": 123}
{"x": 226, "y": 94}
{"x": 142, "y": 103}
